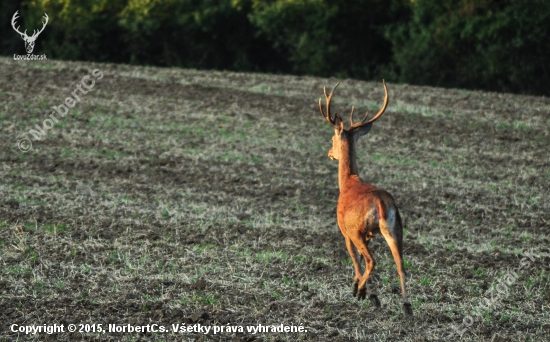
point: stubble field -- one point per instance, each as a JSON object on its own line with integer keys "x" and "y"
{"x": 171, "y": 196}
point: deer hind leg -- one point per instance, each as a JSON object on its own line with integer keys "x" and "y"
{"x": 394, "y": 238}
{"x": 362, "y": 246}
{"x": 356, "y": 265}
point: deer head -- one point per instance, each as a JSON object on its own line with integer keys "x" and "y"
{"x": 29, "y": 41}
{"x": 354, "y": 131}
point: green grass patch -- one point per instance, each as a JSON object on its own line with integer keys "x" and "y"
{"x": 265, "y": 257}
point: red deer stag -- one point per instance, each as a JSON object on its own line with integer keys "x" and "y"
{"x": 363, "y": 210}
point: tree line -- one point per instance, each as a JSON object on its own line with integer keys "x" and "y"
{"x": 497, "y": 45}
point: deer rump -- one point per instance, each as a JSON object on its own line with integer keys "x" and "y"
{"x": 362, "y": 209}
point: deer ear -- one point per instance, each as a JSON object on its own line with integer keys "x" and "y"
{"x": 363, "y": 130}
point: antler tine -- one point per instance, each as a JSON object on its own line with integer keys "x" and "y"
{"x": 328, "y": 98}
{"x": 323, "y": 113}
{"x": 43, "y": 25}
{"x": 351, "y": 116}
{"x": 13, "y": 22}
{"x": 14, "y": 18}
{"x": 379, "y": 114}
{"x": 383, "y": 109}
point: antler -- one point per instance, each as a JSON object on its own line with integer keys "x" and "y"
{"x": 43, "y": 26}
{"x": 13, "y": 19}
{"x": 328, "y": 98}
{"x": 35, "y": 34}
{"x": 379, "y": 114}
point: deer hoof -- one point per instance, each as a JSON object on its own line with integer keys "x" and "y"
{"x": 407, "y": 308}
{"x": 362, "y": 293}
{"x": 355, "y": 286}
{"x": 374, "y": 300}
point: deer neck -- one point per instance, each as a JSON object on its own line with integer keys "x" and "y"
{"x": 346, "y": 165}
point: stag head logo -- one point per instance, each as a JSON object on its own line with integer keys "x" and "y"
{"x": 29, "y": 41}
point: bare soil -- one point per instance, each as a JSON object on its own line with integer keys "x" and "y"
{"x": 171, "y": 196}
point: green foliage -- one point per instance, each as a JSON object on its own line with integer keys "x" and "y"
{"x": 489, "y": 44}
{"x": 192, "y": 33}
{"x": 80, "y": 30}
{"x": 316, "y": 37}
{"x": 327, "y": 37}
{"x": 299, "y": 29}
{"x": 187, "y": 33}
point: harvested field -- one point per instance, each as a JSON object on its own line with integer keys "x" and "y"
{"x": 169, "y": 196}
